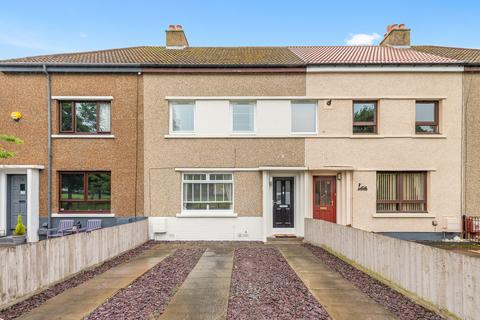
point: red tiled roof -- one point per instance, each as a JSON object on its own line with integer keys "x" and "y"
{"x": 366, "y": 55}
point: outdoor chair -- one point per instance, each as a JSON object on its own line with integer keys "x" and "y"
{"x": 63, "y": 227}
{"x": 92, "y": 225}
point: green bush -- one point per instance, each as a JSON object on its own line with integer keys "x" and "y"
{"x": 20, "y": 228}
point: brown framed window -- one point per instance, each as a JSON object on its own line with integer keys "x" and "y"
{"x": 84, "y": 191}
{"x": 364, "y": 117}
{"x": 85, "y": 117}
{"x": 426, "y": 117}
{"x": 402, "y": 191}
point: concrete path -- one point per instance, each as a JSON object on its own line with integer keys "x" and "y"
{"x": 78, "y": 302}
{"x": 341, "y": 299}
{"x": 205, "y": 292}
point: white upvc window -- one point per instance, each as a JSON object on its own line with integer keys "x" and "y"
{"x": 304, "y": 117}
{"x": 182, "y": 117}
{"x": 243, "y": 117}
{"x": 207, "y": 191}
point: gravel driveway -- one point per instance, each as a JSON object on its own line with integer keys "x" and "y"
{"x": 264, "y": 286}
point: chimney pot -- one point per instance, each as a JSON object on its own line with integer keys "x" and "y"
{"x": 175, "y": 37}
{"x": 397, "y": 36}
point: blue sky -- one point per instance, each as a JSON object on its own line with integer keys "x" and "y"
{"x": 45, "y": 27}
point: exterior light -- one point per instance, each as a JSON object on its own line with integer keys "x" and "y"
{"x": 16, "y": 115}
{"x": 339, "y": 176}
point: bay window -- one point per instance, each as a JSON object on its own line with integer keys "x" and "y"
{"x": 401, "y": 191}
{"x": 207, "y": 191}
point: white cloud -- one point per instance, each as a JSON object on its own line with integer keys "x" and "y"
{"x": 362, "y": 39}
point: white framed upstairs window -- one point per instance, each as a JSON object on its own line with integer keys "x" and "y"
{"x": 182, "y": 117}
{"x": 243, "y": 117}
{"x": 207, "y": 191}
{"x": 304, "y": 117}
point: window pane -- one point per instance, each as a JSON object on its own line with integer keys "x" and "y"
{"x": 72, "y": 186}
{"x": 387, "y": 190}
{"x": 363, "y": 129}
{"x": 426, "y": 129}
{"x": 104, "y": 117}
{"x": 304, "y": 116}
{"x": 194, "y": 176}
{"x": 86, "y": 116}
{"x": 364, "y": 112}
{"x": 99, "y": 186}
{"x": 84, "y": 206}
{"x": 243, "y": 117}
{"x": 66, "y": 116}
{"x": 182, "y": 117}
{"x": 425, "y": 112}
{"x": 413, "y": 189}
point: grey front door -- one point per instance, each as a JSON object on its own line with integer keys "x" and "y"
{"x": 17, "y": 199}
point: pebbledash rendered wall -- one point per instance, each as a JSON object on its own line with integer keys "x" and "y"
{"x": 164, "y": 154}
{"x": 27, "y": 268}
{"x": 447, "y": 280}
{"x": 395, "y": 147}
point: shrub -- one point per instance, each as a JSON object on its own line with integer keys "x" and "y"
{"x": 20, "y": 228}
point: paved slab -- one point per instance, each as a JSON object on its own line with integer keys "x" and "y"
{"x": 341, "y": 299}
{"x": 204, "y": 294}
{"x": 78, "y": 302}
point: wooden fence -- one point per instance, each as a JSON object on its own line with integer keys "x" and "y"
{"x": 27, "y": 268}
{"x": 447, "y": 280}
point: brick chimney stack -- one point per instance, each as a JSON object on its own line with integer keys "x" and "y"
{"x": 397, "y": 36}
{"x": 175, "y": 37}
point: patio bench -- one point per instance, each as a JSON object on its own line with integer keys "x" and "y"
{"x": 63, "y": 227}
{"x": 92, "y": 225}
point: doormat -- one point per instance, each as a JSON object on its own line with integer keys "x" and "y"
{"x": 282, "y": 236}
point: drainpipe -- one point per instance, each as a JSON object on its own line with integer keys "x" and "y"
{"x": 49, "y": 169}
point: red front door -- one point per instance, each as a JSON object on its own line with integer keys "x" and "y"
{"x": 324, "y": 198}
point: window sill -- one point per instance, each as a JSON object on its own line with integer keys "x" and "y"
{"x": 403, "y": 215}
{"x": 83, "y": 215}
{"x": 207, "y": 214}
{"x": 83, "y": 136}
{"x": 413, "y": 136}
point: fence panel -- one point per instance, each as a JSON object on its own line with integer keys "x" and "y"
{"x": 448, "y": 280}
{"x": 27, "y": 268}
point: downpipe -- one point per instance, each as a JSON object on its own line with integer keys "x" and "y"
{"x": 49, "y": 147}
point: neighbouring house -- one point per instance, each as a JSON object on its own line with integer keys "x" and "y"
{"x": 471, "y": 103}
{"x": 238, "y": 143}
{"x": 96, "y": 145}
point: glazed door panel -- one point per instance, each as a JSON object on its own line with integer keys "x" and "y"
{"x": 283, "y": 203}
{"x": 324, "y": 198}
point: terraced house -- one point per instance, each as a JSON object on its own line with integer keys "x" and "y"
{"x": 238, "y": 143}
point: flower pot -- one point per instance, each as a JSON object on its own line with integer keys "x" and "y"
{"x": 19, "y": 239}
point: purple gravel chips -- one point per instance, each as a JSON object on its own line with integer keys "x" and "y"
{"x": 265, "y": 287}
{"x": 147, "y": 297}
